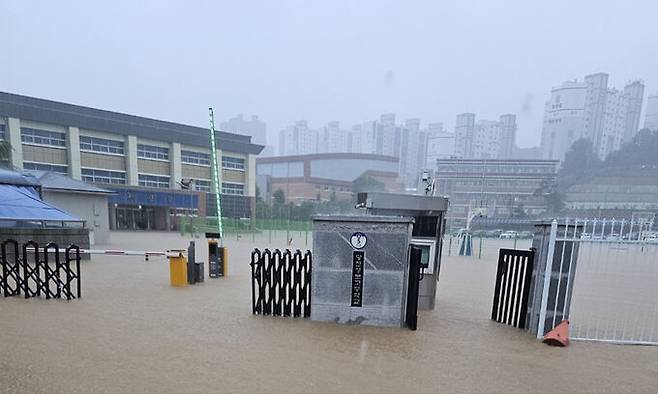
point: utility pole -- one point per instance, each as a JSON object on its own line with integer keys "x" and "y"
{"x": 215, "y": 175}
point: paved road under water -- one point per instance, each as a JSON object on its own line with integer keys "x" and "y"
{"x": 132, "y": 332}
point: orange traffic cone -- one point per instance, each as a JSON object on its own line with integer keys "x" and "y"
{"x": 559, "y": 336}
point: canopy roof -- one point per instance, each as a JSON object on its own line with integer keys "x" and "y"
{"x": 21, "y": 202}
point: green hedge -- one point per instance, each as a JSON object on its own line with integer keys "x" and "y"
{"x": 231, "y": 225}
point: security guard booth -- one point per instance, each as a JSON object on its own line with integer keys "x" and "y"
{"x": 362, "y": 272}
{"x": 427, "y": 233}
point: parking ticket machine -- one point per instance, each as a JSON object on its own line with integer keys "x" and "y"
{"x": 427, "y": 233}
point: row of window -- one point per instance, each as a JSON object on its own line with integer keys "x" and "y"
{"x": 152, "y": 152}
{"x": 102, "y": 145}
{"x": 162, "y": 182}
{"x": 204, "y": 185}
{"x": 103, "y": 176}
{"x": 233, "y": 163}
{"x": 119, "y": 178}
{"x": 233, "y": 188}
{"x": 2, "y": 132}
{"x": 157, "y": 181}
{"x": 497, "y": 169}
{"x": 42, "y": 137}
{"x": 197, "y": 158}
{"x": 60, "y": 169}
{"x": 95, "y": 144}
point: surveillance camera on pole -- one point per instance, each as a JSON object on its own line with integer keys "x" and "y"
{"x": 427, "y": 182}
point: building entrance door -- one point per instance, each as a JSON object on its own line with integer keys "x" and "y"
{"x": 135, "y": 218}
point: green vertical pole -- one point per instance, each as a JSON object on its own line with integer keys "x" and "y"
{"x": 215, "y": 175}
{"x": 514, "y": 241}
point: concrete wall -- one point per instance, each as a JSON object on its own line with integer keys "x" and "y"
{"x": 92, "y": 208}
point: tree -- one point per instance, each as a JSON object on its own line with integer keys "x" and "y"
{"x": 580, "y": 160}
{"x": 258, "y": 196}
{"x": 366, "y": 183}
{"x": 519, "y": 211}
{"x": 555, "y": 202}
{"x": 278, "y": 197}
{"x": 5, "y": 151}
{"x": 639, "y": 153}
{"x": 553, "y": 197}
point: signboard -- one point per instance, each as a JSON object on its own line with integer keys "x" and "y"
{"x": 358, "y": 259}
{"x": 358, "y": 240}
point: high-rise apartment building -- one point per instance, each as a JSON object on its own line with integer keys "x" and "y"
{"x": 484, "y": 139}
{"x": 298, "y": 139}
{"x": 464, "y": 135}
{"x": 634, "y": 93}
{"x": 331, "y": 139}
{"x": 564, "y": 117}
{"x": 363, "y": 137}
{"x": 606, "y": 116}
{"x": 651, "y": 117}
{"x": 407, "y": 142}
{"x": 252, "y": 127}
{"x": 413, "y": 151}
{"x": 440, "y": 144}
{"x": 507, "y": 136}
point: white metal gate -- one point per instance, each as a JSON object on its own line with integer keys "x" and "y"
{"x": 614, "y": 268}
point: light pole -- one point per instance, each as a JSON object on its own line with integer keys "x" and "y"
{"x": 186, "y": 184}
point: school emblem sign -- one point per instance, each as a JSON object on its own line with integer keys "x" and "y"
{"x": 358, "y": 240}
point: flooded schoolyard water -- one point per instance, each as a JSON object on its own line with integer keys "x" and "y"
{"x": 132, "y": 332}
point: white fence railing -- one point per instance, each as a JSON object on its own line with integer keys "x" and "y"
{"x": 606, "y": 282}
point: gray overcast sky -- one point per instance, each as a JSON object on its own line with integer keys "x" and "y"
{"x": 322, "y": 61}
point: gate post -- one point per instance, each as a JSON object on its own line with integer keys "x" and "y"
{"x": 547, "y": 279}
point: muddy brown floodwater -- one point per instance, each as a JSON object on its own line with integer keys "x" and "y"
{"x": 131, "y": 332}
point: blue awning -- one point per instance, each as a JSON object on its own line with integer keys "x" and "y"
{"x": 23, "y": 203}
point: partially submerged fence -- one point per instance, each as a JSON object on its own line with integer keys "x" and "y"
{"x": 602, "y": 275}
{"x": 513, "y": 274}
{"x": 35, "y": 271}
{"x": 281, "y": 283}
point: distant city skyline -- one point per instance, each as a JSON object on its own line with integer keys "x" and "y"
{"x": 323, "y": 61}
{"x": 642, "y": 107}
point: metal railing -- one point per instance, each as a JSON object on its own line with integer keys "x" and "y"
{"x": 602, "y": 275}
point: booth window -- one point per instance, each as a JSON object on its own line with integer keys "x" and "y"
{"x": 425, "y": 226}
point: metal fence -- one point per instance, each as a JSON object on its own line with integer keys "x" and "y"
{"x": 602, "y": 275}
{"x": 36, "y": 271}
{"x": 281, "y": 283}
{"x": 513, "y": 275}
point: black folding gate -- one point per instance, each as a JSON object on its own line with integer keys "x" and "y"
{"x": 38, "y": 271}
{"x": 510, "y": 300}
{"x": 281, "y": 283}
